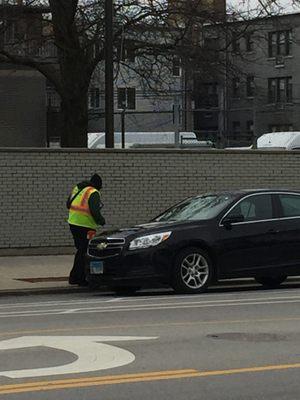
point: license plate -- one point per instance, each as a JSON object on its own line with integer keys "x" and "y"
{"x": 96, "y": 267}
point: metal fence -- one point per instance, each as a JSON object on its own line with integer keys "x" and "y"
{"x": 176, "y": 127}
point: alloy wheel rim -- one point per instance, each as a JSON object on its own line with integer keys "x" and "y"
{"x": 194, "y": 271}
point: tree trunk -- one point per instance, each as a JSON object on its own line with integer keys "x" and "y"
{"x": 75, "y": 120}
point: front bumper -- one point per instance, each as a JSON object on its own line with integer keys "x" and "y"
{"x": 123, "y": 267}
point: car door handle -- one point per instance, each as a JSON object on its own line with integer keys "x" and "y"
{"x": 273, "y": 231}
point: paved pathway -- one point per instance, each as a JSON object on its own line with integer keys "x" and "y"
{"x": 34, "y": 272}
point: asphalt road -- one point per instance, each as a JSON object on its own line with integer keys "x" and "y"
{"x": 231, "y": 343}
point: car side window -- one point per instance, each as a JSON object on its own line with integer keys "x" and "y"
{"x": 290, "y": 205}
{"x": 254, "y": 208}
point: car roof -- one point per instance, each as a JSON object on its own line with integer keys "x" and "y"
{"x": 268, "y": 190}
{"x": 242, "y": 192}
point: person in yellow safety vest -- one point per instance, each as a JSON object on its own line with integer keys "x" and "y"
{"x": 84, "y": 205}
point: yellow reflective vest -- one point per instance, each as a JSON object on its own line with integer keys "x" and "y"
{"x": 79, "y": 212}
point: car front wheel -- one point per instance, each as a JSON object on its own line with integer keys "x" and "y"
{"x": 192, "y": 271}
{"x": 271, "y": 281}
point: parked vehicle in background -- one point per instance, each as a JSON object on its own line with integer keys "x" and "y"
{"x": 245, "y": 233}
{"x": 96, "y": 140}
{"x": 289, "y": 140}
{"x": 279, "y": 140}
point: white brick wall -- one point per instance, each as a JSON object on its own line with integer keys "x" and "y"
{"x": 138, "y": 184}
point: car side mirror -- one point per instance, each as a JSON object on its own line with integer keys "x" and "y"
{"x": 233, "y": 219}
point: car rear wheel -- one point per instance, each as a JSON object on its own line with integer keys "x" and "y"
{"x": 271, "y": 281}
{"x": 192, "y": 271}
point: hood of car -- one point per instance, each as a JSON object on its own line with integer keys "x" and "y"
{"x": 147, "y": 228}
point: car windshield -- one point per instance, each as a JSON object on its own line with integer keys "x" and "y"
{"x": 197, "y": 208}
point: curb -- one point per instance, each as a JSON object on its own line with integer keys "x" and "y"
{"x": 77, "y": 289}
{"x": 225, "y": 284}
{"x": 44, "y": 291}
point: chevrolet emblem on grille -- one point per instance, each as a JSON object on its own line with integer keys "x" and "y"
{"x": 102, "y": 246}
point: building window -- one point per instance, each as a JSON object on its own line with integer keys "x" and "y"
{"x": 47, "y": 50}
{"x": 176, "y": 67}
{"x": 249, "y": 42}
{"x": 211, "y": 44}
{"x": 212, "y": 94}
{"x": 206, "y": 95}
{"x": 126, "y": 98}
{"x": 235, "y": 44}
{"x": 236, "y": 89}
{"x": 94, "y": 98}
{"x": 250, "y": 128}
{"x": 250, "y": 86}
{"x": 280, "y": 90}
{"x": 127, "y": 52}
{"x": 52, "y": 97}
{"x": 9, "y": 31}
{"x": 280, "y": 43}
{"x": 236, "y": 128}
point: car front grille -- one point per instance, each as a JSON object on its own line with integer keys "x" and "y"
{"x": 105, "y": 247}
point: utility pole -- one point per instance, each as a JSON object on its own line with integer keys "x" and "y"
{"x": 109, "y": 75}
{"x": 176, "y": 117}
{"x": 123, "y": 128}
{"x": 224, "y": 132}
{"x": 254, "y": 138}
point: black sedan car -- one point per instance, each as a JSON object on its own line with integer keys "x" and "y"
{"x": 246, "y": 233}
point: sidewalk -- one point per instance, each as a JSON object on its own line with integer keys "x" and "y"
{"x": 33, "y": 274}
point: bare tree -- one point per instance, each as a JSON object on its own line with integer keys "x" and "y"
{"x": 158, "y": 30}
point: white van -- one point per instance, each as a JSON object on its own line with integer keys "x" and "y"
{"x": 279, "y": 140}
{"x": 275, "y": 141}
{"x": 96, "y": 140}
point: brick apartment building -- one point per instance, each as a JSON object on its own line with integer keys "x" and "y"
{"x": 262, "y": 93}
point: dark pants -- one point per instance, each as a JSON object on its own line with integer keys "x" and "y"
{"x": 77, "y": 274}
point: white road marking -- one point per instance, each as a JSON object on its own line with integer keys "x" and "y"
{"x": 103, "y": 300}
{"x": 203, "y": 299}
{"x": 150, "y": 307}
{"x": 114, "y": 300}
{"x": 51, "y": 303}
{"x": 92, "y": 355}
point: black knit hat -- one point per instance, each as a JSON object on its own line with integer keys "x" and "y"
{"x": 96, "y": 181}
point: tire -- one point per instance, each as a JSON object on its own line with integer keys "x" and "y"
{"x": 192, "y": 272}
{"x": 271, "y": 281}
{"x": 125, "y": 290}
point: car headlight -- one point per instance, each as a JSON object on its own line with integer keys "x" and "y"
{"x": 143, "y": 242}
